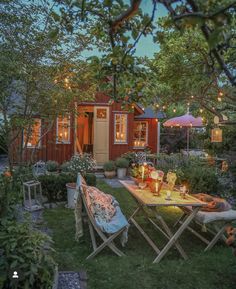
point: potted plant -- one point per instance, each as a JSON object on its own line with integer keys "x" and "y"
{"x": 79, "y": 163}
{"x": 52, "y": 166}
{"x": 109, "y": 169}
{"x": 122, "y": 164}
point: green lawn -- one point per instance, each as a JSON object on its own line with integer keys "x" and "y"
{"x": 213, "y": 270}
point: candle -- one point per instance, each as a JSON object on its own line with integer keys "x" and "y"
{"x": 142, "y": 173}
{"x": 156, "y": 186}
{"x": 168, "y": 194}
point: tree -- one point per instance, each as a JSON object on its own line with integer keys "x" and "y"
{"x": 182, "y": 72}
{"x": 114, "y": 40}
{"x": 40, "y": 75}
{"x": 113, "y": 21}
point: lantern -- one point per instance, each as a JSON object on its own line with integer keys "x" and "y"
{"x": 32, "y": 192}
{"x": 216, "y": 135}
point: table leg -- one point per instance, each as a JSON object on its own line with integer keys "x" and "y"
{"x": 177, "y": 234}
{"x": 170, "y": 234}
{"x": 147, "y": 238}
{"x": 139, "y": 228}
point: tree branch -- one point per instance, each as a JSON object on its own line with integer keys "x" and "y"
{"x": 205, "y": 16}
{"x": 132, "y": 10}
{"x": 141, "y": 33}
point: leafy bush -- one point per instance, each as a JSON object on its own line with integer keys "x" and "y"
{"x": 171, "y": 162}
{"x": 82, "y": 163}
{"x": 201, "y": 179}
{"x": 122, "y": 163}
{"x": 54, "y": 186}
{"x": 192, "y": 170}
{"x": 91, "y": 180}
{"x": 52, "y": 166}
{"x": 28, "y": 251}
{"x": 10, "y": 194}
{"x": 65, "y": 167}
{"x": 131, "y": 157}
{"x": 109, "y": 166}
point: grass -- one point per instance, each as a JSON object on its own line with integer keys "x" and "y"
{"x": 212, "y": 270}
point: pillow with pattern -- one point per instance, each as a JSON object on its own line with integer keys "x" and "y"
{"x": 101, "y": 204}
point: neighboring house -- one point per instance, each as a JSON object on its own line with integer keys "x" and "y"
{"x": 101, "y": 127}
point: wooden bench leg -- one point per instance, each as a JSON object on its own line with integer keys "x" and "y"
{"x": 216, "y": 238}
{"x": 107, "y": 242}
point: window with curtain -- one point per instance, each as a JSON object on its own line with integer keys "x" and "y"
{"x": 63, "y": 129}
{"x": 120, "y": 128}
{"x": 140, "y": 134}
{"x": 32, "y": 134}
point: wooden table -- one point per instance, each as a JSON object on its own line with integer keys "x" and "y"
{"x": 147, "y": 201}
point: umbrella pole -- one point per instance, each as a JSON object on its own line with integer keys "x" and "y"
{"x": 188, "y": 140}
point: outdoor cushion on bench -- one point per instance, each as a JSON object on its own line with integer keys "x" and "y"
{"x": 208, "y": 217}
{"x": 219, "y": 220}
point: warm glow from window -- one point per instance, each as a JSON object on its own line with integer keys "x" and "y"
{"x": 120, "y": 128}
{"x": 140, "y": 133}
{"x": 32, "y": 135}
{"x": 63, "y": 129}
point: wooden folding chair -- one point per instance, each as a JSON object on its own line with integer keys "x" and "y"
{"x": 93, "y": 227}
{"x": 219, "y": 221}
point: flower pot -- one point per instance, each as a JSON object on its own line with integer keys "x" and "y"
{"x": 110, "y": 174}
{"x": 121, "y": 173}
{"x": 71, "y": 189}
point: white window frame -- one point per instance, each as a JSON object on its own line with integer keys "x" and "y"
{"x": 126, "y": 124}
{"x": 146, "y": 143}
{"x": 40, "y": 135}
{"x": 69, "y": 127}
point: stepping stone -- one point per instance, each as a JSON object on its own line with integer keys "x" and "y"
{"x": 114, "y": 183}
{"x": 72, "y": 280}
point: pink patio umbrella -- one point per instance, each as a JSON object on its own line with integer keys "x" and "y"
{"x": 186, "y": 120}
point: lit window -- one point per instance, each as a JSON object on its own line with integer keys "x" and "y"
{"x": 63, "y": 129}
{"x": 32, "y": 134}
{"x": 120, "y": 128}
{"x": 101, "y": 113}
{"x": 140, "y": 133}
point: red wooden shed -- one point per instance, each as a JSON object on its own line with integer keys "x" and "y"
{"x": 100, "y": 127}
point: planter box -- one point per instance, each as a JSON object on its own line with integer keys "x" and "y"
{"x": 110, "y": 174}
{"x": 71, "y": 189}
{"x": 121, "y": 173}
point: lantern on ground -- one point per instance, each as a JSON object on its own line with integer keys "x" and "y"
{"x": 32, "y": 192}
{"x": 216, "y": 135}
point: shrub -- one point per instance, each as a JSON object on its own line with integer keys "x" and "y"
{"x": 122, "y": 163}
{"x": 82, "y": 163}
{"x": 201, "y": 179}
{"x": 28, "y": 251}
{"x": 109, "y": 166}
{"x": 131, "y": 157}
{"x": 91, "y": 179}
{"x": 65, "y": 167}
{"x": 52, "y": 166}
{"x": 54, "y": 186}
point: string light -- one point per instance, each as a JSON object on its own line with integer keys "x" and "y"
{"x": 201, "y": 110}
{"x": 188, "y": 104}
{"x": 219, "y": 99}
{"x": 157, "y": 105}
{"x": 192, "y": 96}
{"x": 164, "y": 107}
{"x": 221, "y": 93}
{"x": 174, "y": 110}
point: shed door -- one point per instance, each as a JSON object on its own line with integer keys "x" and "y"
{"x": 101, "y": 134}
